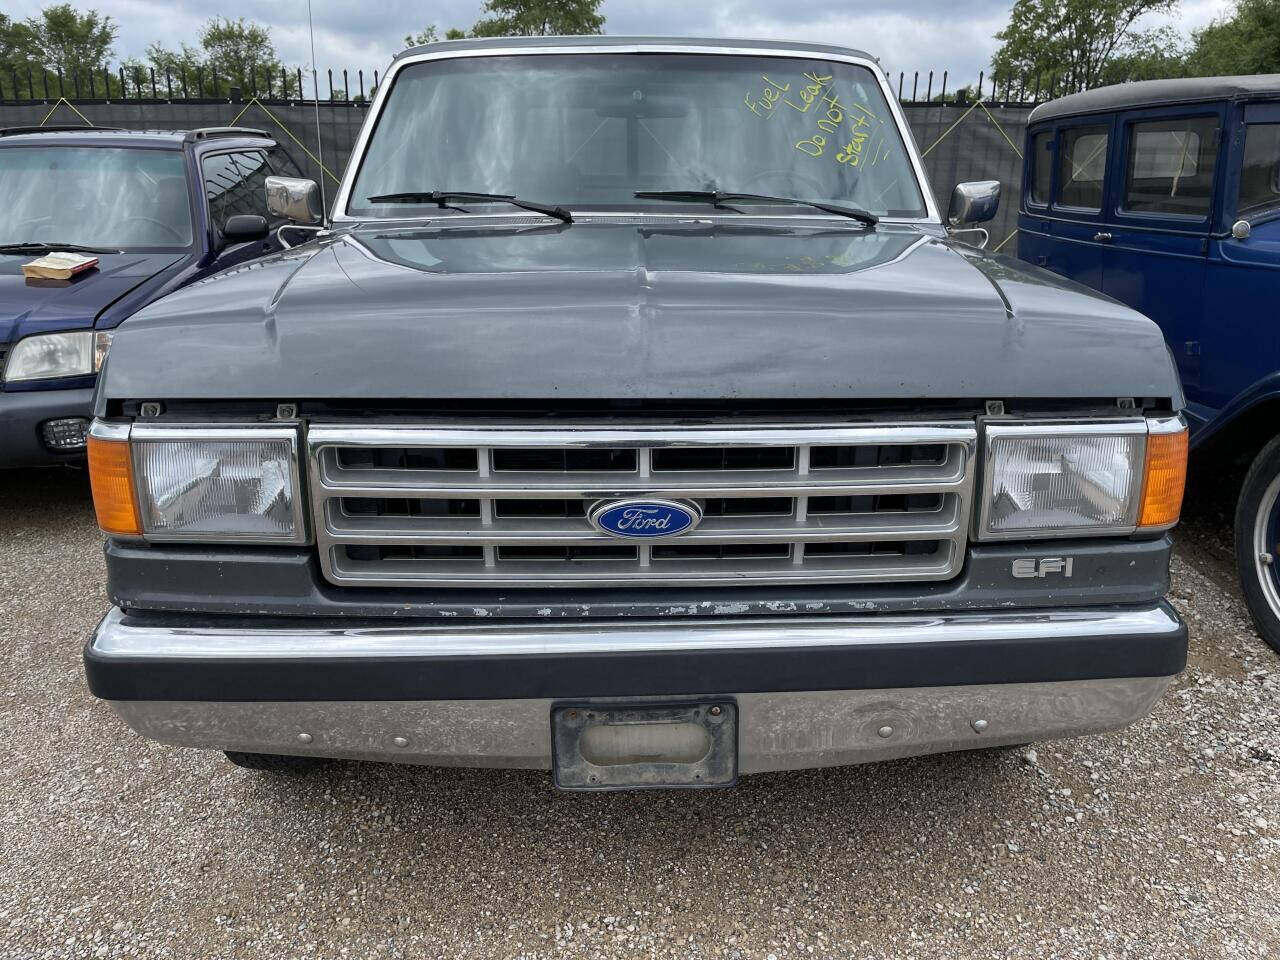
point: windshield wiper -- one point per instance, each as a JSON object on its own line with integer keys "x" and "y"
{"x": 39, "y": 246}
{"x": 718, "y": 198}
{"x": 442, "y": 198}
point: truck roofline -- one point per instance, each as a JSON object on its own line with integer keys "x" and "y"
{"x": 702, "y": 44}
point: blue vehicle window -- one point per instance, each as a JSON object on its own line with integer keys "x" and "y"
{"x": 1041, "y": 167}
{"x": 1171, "y": 166}
{"x": 1260, "y": 172}
{"x": 235, "y": 183}
{"x": 123, "y": 197}
{"x": 1083, "y": 167}
{"x": 591, "y": 130}
{"x": 282, "y": 164}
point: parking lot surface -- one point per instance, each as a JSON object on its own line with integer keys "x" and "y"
{"x": 1159, "y": 841}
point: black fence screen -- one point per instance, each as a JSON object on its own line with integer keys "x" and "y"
{"x": 975, "y": 142}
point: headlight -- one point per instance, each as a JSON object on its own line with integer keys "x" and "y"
{"x": 1074, "y": 479}
{"x": 199, "y": 483}
{"x": 49, "y": 355}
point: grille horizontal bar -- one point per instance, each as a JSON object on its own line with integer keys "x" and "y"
{"x": 671, "y": 573}
{"x": 343, "y": 528}
{"x": 540, "y": 486}
{"x": 507, "y": 505}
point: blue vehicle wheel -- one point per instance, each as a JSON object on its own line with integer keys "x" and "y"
{"x": 1266, "y": 543}
{"x": 1258, "y": 541}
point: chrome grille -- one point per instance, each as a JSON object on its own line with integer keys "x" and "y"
{"x": 506, "y": 506}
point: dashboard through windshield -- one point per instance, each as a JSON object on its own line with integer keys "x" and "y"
{"x": 130, "y": 198}
{"x": 589, "y": 131}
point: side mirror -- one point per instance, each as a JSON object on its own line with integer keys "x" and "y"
{"x": 243, "y": 228}
{"x": 975, "y": 202}
{"x": 294, "y": 199}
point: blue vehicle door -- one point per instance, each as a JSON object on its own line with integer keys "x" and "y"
{"x": 1241, "y": 337}
{"x": 1162, "y": 197}
{"x": 1063, "y": 224}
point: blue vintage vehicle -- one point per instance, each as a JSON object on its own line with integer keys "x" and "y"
{"x": 1166, "y": 195}
{"x": 159, "y": 209}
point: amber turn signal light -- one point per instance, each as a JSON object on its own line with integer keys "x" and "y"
{"x": 1164, "y": 479}
{"x": 111, "y": 479}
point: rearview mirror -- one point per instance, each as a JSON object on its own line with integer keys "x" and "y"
{"x": 294, "y": 199}
{"x": 637, "y": 105}
{"x": 243, "y": 228}
{"x": 974, "y": 202}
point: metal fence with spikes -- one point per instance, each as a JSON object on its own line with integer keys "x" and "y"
{"x": 192, "y": 85}
{"x": 970, "y": 132}
{"x": 199, "y": 83}
{"x": 919, "y": 87}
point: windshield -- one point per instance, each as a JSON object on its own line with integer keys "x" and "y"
{"x": 123, "y": 197}
{"x": 587, "y": 131}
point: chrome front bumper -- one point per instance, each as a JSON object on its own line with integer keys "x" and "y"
{"x": 777, "y": 731}
{"x": 810, "y": 692}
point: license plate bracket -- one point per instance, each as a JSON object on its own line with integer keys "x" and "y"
{"x": 645, "y": 746}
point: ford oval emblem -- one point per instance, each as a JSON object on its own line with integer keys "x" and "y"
{"x": 645, "y": 519}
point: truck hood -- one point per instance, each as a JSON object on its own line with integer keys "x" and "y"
{"x": 53, "y": 305}
{"x": 637, "y": 310}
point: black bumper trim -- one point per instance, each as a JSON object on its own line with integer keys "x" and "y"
{"x": 22, "y": 412}
{"x": 637, "y": 674}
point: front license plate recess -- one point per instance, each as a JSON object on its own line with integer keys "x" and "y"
{"x": 650, "y": 746}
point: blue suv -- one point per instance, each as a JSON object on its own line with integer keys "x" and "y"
{"x": 159, "y": 209}
{"x": 1166, "y": 195}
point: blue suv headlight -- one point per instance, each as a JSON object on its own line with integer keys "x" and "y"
{"x": 50, "y": 355}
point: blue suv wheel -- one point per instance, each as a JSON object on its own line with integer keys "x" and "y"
{"x": 1258, "y": 541}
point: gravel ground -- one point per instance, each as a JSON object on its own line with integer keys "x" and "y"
{"x": 1159, "y": 841}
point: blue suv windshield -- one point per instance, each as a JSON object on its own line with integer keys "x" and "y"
{"x": 124, "y": 197}
{"x": 587, "y": 131}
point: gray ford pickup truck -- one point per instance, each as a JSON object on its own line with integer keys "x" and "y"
{"x": 634, "y": 416}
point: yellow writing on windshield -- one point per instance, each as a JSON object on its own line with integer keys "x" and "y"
{"x": 810, "y": 93}
{"x": 851, "y": 152}
{"x": 863, "y": 145}
{"x": 762, "y": 105}
{"x": 774, "y": 93}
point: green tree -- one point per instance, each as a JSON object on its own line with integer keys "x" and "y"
{"x": 183, "y": 62}
{"x": 429, "y": 36}
{"x": 15, "y": 40}
{"x": 1245, "y": 41}
{"x": 17, "y": 48}
{"x": 232, "y": 53}
{"x": 539, "y": 18}
{"x": 1079, "y": 43}
{"x": 1148, "y": 55}
{"x": 966, "y": 94}
{"x": 64, "y": 39}
{"x": 241, "y": 51}
{"x": 59, "y": 40}
{"x": 422, "y": 38}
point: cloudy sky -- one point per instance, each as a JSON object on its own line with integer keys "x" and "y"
{"x": 907, "y": 35}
